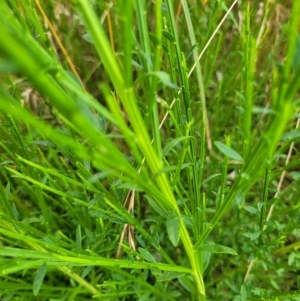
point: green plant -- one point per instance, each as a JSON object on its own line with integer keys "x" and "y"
{"x": 203, "y": 156}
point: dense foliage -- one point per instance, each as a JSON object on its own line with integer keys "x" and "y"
{"x": 149, "y": 150}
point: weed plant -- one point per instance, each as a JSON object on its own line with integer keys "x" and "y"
{"x": 149, "y": 150}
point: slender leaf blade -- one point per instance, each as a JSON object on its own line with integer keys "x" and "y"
{"x": 229, "y": 152}
{"x": 78, "y": 239}
{"x": 215, "y": 248}
{"x": 173, "y": 227}
{"x": 39, "y": 278}
{"x": 147, "y": 255}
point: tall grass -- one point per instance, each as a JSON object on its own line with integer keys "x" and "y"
{"x": 149, "y": 150}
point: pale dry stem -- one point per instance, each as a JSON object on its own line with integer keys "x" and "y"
{"x": 127, "y": 229}
{"x": 58, "y": 41}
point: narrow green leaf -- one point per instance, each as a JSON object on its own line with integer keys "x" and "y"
{"x": 170, "y": 275}
{"x": 210, "y": 178}
{"x": 38, "y": 279}
{"x": 43, "y": 143}
{"x": 173, "y": 227}
{"x": 270, "y": 226}
{"x": 140, "y": 241}
{"x": 173, "y": 143}
{"x": 137, "y": 289}
{"x": 253, "y": 235}
{"x": 206, "y": 260}
{"x": 156, "y": 207}
{"x": 78, "y": 239}
{"x": 251, "y": 209}
{"x": 101, "y": 123}
{"x": 144, "y": 296}
{"x": 83, "y": 260}
{"x": 7, "y": 192}
{"x": 187, "y": 284}
{"x": 146, "y": 255}
{"x": 190, "y": 52}
{"x": 87, "y": 165}
{"x": 86, "y": 271}
{"x": 7, "y": 162}
{"x": 88, "y": 38}
{"x": 164, "y": 77}
{"x": 261, "y": 110}
{"x": 240, "y": 199}
{"x": 295, "y": 175}
{"x": 215, "y": 248}
{"x": 168, "y": 36}
{"x": 94, "y": 200}
{"x": 137, "y": 65}
{"x": 14, "y": 211}
{"x": 243, "y": 292}
{"x": 227, "y": 151}
{"x": 296, "y": 60}
{"x": 7, "y": 66}
{"x": 155, "y": 241}
{"x": 291, "y": 136}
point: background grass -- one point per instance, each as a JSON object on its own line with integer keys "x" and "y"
{"x": 149, "y": 150}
